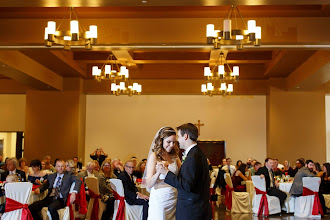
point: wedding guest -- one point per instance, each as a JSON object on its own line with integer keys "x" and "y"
{"x": 90, "y": 171}
{"x": 99, "y": 155}
{"x": 238, "y": 163}
{"x": 37, "y": 176}
{"x": 1, "y": 162}
{"x": 144, "y": 160}
{"x": 220, "y": 180}
{"x": 239, "y": 176}
{"x": 249, "y": 163}
{"x": 255, "y": 168}
{"x": 317, "y": 170}
{"x": 48, "y": 159}
{"x": 71, "y": 166}
{"x": 106, "y": 191}
{"x": 79, "y": 164}
{"x": 134, "y": 159}
{"x": 228, "y": 168}
{"x": 117, "y": 166}
{"x": 140, "y": 169}
{"x": 325, "y": 185}
{"x": 271, "y": 185}
{"x": 12, "y": 165}
{"x": 306, "y": 171}
{"x": 132, "y": 196}
{"x": 22, "y": 165}
{"x": 45, "y": 166}
{"x": 299, "y": 164}
{"x": 287, "y": 168}
{"x": 276, "y": 169}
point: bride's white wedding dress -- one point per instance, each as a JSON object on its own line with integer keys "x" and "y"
{"x": 163, "y": 198}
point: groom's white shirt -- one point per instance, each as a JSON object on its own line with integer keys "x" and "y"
{"x": 189, "y": 148}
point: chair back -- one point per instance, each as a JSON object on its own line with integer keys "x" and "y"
{"x": 117, "y": 185}
{"x": 19, "y": 192}
{"x": 259, "y": 183}
{"x": 228, "y": 180}
{"x": 93, "y": 184}
{"x": 312, "y": 183}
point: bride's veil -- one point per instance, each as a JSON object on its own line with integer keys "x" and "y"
{"x": 144, "y": 184}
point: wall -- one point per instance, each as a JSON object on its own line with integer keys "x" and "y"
{"x": 12, "y": 112}
{"x": 296, "y": 126}
{"x": 327, "y": 117}
{"x": 125, "y": 126}
{"x": 9, "y": 144}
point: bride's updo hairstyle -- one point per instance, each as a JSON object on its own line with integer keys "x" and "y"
{"x": 158, "y": 148}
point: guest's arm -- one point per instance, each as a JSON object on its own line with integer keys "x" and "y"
{"x": 240, "y": 174}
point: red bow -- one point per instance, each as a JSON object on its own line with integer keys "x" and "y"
{"x": 95, "y": 211}
{"x": 79, "y": 202}
{"x": 228, "y": 197}
{"x": 121, "y": 208}
{"x": 263, "y": 202}
{"x": 12, "y": 205}
{"x": 317, "y": 208}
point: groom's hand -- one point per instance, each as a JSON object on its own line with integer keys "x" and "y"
{"x": 162, "y": 169}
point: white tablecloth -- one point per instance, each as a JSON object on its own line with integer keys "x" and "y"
{"x": 289, "y": 202}
{"x": 33, "y": 197}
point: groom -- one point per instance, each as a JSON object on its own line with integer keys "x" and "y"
{"x": 193, "y": 180}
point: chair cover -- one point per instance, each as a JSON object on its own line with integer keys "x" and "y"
{"x": 327, "y": 200}
{"x": 237, "y": 202}
{"x": 117, "y": 186}
{"x": 93, "y": 186}
{"x": 273, "y": 202}
{"x": 64, "y": 214}
{"x": 19, "y": 192}
{"x": 304, "y": 204}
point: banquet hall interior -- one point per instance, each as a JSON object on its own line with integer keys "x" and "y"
{"x": 68, "y": 97}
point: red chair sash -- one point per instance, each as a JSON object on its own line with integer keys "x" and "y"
{"x": 81, "y": 199}
{"x": 263, "y": 202}
{"x": 12, "y": 205}
{"x": 317, "y": 208}
{"x": 35, "y": 186}
{"x": 121, "y": 208}
{"x": 95, "y": 211}
{"x": 228, "y": 197}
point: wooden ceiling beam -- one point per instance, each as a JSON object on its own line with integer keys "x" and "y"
{"x": 10, "y": 86}
{"x": 177, "y": 61}
{"x": 277, "y": 56}
{"x": 67, "y": 57}
{"x": 23, "y": 69}
{"x": 125, "y": 58}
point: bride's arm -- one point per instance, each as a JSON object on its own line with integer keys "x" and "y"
{"x": 152, "y": 174}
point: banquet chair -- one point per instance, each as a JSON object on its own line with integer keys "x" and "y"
{"x": 237, "y": 202}
{"x": 327, "y": 200}
{"x": 64, "y": 213}
{"x": 19, "y": 192}
{"x": 93, "y": 184}
{"x": 261, "y": 198}
{"x": 132, "y": 212}
{"x": 304, "y": 204}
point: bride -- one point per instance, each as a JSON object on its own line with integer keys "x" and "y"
{"x": 163, "y": 197}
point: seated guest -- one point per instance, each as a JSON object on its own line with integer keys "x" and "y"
{"x": 22, "y": 165}
{"x": 37, "y": 176}
{"x": 299, "y": 164}
{"x": 325, "y": 185}
{"x": 239, "y": 176}
{"x": 271, "y": 186}
{"x": 106, "y": 191}
{"x": 287, "y": 169}
{"x": 228, "y": 168}
{"x": 117, "y": 166}
{"x": 96, "y": 165}
{"x": 140, "y": 169}
{"x": 306, "y": 171}
{"x": 255, "y": 168}
{"x": 58, "y": 186}
{"x": 79, "y": 164}
{"x": 45, "y": 166}
{"x": 71, "y": 166}
{"x": 238, "y": 163}
{"x": 99, "y": 155}
{"x": 51, "y": 167}
{"x": 277, "y": 171}
{"x": 132, "y": 196}
{"x": 249, "y": 163}
{"x": 90, "y": 171}
{"x": 220, "y": 180}
{"x": 12, "y": 164}
{"x": 317, "y": 170}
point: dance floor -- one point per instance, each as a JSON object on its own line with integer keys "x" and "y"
{"x": 220, "y": 213}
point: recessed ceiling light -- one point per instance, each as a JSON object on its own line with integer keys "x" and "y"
{"x": 144, "y": 1}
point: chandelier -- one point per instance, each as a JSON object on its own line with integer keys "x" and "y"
{"x": 109, "y": 72}
{"x": 218, "y": 76}
{"x": 228, "y": 36}
{"x": 76, "y": 36}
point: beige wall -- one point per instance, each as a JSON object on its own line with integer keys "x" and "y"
{"x": 327, "y": 117}
{"x": 12, "y": 112}
{"x": 9, "y": 144}
{"x": 296, "y": 126}
{"x": 125, "y": 126}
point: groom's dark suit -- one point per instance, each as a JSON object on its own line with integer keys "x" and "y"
{"x": 193, "y": 184}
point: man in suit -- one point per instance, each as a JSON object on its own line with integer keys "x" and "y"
{"x": 306, "y": 171}
{"x": 90, "y": 171}
{"x": 229, "y": 168}
{"x": 11, "y": 166}
{"x": 132, "y": 196}
{"x": 220, "y": 181}
{"x": 79, "y": 164}
{"x": 271, "y": 186}
{"x": 58, "y": 185}
{"x": 193, "y": 179}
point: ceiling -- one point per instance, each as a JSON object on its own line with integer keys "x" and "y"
{"x": 163, "y": 44}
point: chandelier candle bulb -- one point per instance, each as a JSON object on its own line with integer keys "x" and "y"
{"x": 207, "y": 71}
{"x": 67, "y": 38}
{"x": 113, "y": 87}
{"x": 95, "y": 70}
{"x": 204, "y": 89}
{"x": 210, "y": 33}
{"x": 74, "y": 28}
{"x": 139, "y": 88}
{"x": 251, "y": 26}
{"x": 223, "y": 86}
{"x": 122, "y": 85}
{"x": 51, "y": 27}
{"x": 209, "y": 86}
{"x": 93, "y": 33}
{"x": 230, "y": 88}
{"x": 107, "y": 69}
{"x": 257, "y": 42}
{"x": 46, "y": 33}
{"x": 239, "y": 37}
{"x": 221, "y": 70}
{"x": 227, "y": 28}
{"x": 235, "y": 71}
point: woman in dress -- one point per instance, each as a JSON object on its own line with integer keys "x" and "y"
{"x": 163, "y": 197}
{"x": 287, "y": 168}
{"x": 71, "y": 166}
{"x": 37, "y": 176}
{"x": 239, "y": 176}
